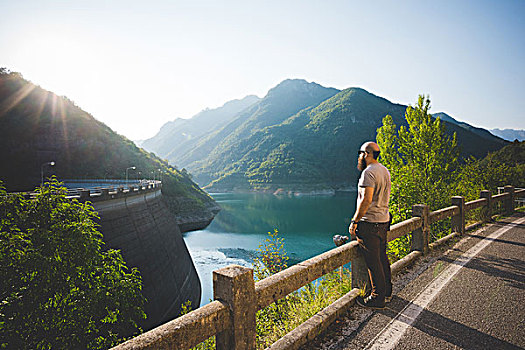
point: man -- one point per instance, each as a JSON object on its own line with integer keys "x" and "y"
{"x": 371, "y": 222}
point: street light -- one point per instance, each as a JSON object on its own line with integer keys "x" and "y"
{"x": 131, "y": 167}
{"x": 42, "y": 171}
{"x": 154, "y": 173}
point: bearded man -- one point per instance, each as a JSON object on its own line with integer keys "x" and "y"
{"x": 371, "y": 223}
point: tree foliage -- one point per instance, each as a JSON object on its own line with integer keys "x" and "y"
{"x": 59, "y": 289}
{"x": 503, "y": 167}
{"x": 421, "y": 157}
{"x": 423, "y": 161}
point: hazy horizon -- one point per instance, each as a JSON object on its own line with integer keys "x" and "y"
{"x": 127, "y": 62}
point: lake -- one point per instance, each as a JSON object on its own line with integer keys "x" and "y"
{"x": 307, "y": 224}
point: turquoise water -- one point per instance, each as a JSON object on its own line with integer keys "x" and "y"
{"x": 307, "y": 224}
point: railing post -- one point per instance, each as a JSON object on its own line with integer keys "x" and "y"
{"x": 85, "y": 195}
{"x": 486, "y": 211}
{"x": 509, "y": 201}
{"x": 359, "y": 270}
{"x": 420, "y": 236}
{"x": 104, "y": 193}
{"x": 458, "y": 221}
{"x": 235, "y": 286}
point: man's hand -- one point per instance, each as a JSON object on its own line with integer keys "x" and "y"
{"x": 352, "y": 228}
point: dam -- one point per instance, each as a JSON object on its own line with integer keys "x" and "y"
{"x": 136, "y": 221}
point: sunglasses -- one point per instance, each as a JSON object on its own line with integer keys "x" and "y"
{"x": 361, "y": 152}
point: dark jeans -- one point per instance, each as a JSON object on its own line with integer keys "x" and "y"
{"x": 372, "y": 241}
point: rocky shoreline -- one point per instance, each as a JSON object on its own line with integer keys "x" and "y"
{"x": 297, "y": 192}
{"x": 198, "y": 220}
{"x": 190, "y": 215}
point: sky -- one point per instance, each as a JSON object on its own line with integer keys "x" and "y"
{"x": 136, "y": 65}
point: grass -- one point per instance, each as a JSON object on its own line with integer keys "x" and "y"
{"x": 277, "y": 319}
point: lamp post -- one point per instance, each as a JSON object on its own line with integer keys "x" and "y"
{"x": 131, "y": 167}
{"x": 155, "y": 173}
{"x": 42, "y": 171}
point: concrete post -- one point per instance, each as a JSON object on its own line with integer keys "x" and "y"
{"x": 85, "y": 195}
{"x": 509, "y": 201}
{"x": 360, "y": 274}
{"x": 458, "y": 221}
{"x": 486, "y": 211}
{"x": 104, "y": 193}
{"x": 235, "y": 286}
{"x": 421, "y": 235}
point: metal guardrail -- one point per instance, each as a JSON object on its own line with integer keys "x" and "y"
{"x": 98, "y": 193}
{"x": 232, "y": 316}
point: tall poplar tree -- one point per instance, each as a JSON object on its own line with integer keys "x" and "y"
{"x": 422, "y": 160}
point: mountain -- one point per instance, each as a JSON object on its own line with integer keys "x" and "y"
{"x": 217, "y": 149}
{"x": 509, "y": 134}
{"x": 310, "y": 150}
{"x": 478, "y": 131}
{"x": 38, "y": 126}
{"x": 180, "y": 134}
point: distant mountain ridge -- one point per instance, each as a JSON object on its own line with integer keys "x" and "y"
{"x": 302, "y": 136}
{"x": 179, "y": 134}
{"x": 478, "y": 131}
{"x": 509, "y": 134}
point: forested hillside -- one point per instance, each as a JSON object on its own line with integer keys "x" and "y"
{"x": 38, "y": 126}
{"x": 313, "y": 149}
{"x": 300, "y": 137}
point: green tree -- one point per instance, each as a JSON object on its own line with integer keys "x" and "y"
{"x": 59, "y": 289}
{"x": 503, "y": 167}
{"x": 422, "y": 160}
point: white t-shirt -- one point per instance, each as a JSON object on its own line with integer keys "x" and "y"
{"x": 375, "y": 175}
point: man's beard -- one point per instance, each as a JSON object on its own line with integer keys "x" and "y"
{"x": 361, "y": 164}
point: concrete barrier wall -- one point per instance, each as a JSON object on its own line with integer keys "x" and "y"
{"x": 141, "y": 226}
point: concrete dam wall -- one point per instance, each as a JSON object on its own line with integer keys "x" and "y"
{"x": 141, "y": 226}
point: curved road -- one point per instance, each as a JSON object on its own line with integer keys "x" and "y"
{"x": 473, "y": 297}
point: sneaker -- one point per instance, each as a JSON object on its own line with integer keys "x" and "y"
{"x": 370, "y": 302}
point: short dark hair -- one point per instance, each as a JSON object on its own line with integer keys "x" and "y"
{"x": 375, "y": 154}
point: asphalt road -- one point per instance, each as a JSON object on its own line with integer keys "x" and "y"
{"x": 472, "y": 297}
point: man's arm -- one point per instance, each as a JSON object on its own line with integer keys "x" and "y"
{"x": 361, "y": 209}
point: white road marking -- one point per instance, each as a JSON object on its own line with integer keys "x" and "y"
{"x": 392, "y": 333}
